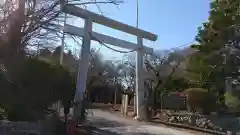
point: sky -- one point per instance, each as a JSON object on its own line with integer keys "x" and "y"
{"x": 174, "y": 21}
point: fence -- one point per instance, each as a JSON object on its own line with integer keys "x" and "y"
{"x": 172, "y": 102}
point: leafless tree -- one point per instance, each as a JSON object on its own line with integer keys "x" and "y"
{"x": 162, "y": 68}
{"x": 33, "y": 23}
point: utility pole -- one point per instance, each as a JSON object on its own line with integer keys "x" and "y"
{"x": 139, "y": 77}
{"x": 63, "y": 33}
{"x": 137, "y": 15}
{"x": 135, "y": 97}
{"x": 62, "y": 40}
{"x": 58, "y": 105}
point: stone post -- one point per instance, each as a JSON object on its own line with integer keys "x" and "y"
{"x": 122, "y": 104}
{"x": 126, "y": 105}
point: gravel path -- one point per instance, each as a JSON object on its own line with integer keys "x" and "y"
{"x": 111, "y": 124}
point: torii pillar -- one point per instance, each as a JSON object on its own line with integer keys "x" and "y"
{"x": 91, "y": 17}
{"x": 139, "y": 88}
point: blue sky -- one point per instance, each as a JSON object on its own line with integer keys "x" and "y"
{"x": 174, "y": 21}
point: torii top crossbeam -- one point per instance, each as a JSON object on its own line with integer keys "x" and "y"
{"x": 79, "y": 12}
{"x": 85, "y": 51}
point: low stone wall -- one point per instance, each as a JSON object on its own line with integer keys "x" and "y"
{"x": 209, "y": 122}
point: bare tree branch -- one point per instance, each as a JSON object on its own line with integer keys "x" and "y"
{"x": 37, "y": 26}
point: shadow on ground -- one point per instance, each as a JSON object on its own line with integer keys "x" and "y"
{"x": 148, "y": 134}
{"x": 97, "y": 131}
{"x": 102, "y": 126}
{"x": 102, "y": 122}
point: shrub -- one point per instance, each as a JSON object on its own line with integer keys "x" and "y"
{"x": 2, "y": 113}
{"x": 194, "y": 97}
{"x": 232, "y": 101}
{"x": 36, "y": 85}
{"x": 198, "y": 98}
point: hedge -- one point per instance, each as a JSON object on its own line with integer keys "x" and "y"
{"x": 198, "y": 98}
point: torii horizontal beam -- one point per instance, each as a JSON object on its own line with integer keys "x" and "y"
{"x": 106, "y": 39}
{"x": 91, "y": 17}
{"x": 79, "y": 12}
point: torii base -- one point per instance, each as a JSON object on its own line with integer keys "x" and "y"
{"x": 143, "y": 115}
{"x": 79, "y": 114}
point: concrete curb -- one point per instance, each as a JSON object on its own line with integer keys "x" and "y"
{"x": 187, "y": 127}
{"x": 176, "y": 125}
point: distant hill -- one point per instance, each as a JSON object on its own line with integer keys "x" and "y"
{"x": 184, "y": 51}
{"x": 161, "y": 53}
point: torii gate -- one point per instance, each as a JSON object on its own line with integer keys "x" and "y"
{"x": 86, "y": 33}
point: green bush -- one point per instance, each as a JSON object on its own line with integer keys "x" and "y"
{"x": 3, "y": 114}
{"x": 198, "y": 98}
{"x": 33, "y": 87}
{"x": 232, "y": 101}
